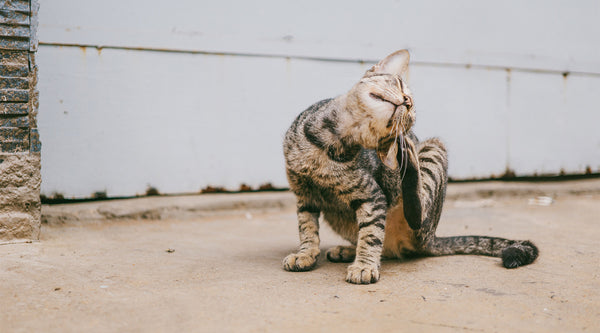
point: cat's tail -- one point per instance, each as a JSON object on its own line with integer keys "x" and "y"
{"x": 514, "y": 253}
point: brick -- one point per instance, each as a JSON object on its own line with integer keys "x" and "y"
{"x": 14, "y": 147}
{"x": 14, "y": 70}
{"x": 13, "y": 134}
{"x": 15, "y": 5}
{"x": 14, "y": 83}
{"x": 35, "y": 145}
{"x": 16, "y": 226}
{"x": 13, "y": 17}
{"x": 14, "y": 108}
{"x": 14, "y": 121}
{"x": 19, "y": 197}
{"x": 33, "y": 25}
{"x": 15, "y": 177}
{"x": 14, "y": 95}
{"x": 14, "y": 30}
{"x": 14, "y": 43}
{"x": 8, "y": 57}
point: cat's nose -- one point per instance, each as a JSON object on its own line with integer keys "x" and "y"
{"x": 408, "y": 101}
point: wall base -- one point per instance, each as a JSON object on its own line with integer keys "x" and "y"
{"x": 20, "y": 207}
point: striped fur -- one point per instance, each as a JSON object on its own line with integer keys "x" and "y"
{"x": 355, "y": 161}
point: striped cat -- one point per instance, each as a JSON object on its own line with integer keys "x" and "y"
{"x": 354, "y": 160}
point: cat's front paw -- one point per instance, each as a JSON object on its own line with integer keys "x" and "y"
{"x": 299, "y": 262}
{"x": 362, "y": 274}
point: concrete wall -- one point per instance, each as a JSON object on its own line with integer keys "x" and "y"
{"x": 182, "y": 95}
{"x": 19, "y": 139}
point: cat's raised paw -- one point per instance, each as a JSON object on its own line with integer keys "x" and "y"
{"x": 362, "y": 274}
{"x": 341, "y": 254}
{"x": 299, "y": 262}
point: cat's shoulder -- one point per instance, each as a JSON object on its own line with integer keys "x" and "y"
{"x": 311, "y": 110}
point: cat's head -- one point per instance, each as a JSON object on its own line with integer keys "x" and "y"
{"x": 381, "y": 106}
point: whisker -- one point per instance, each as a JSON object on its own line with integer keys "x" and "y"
{"x": 404, "y": 158}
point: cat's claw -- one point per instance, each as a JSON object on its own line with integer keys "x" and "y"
{"x": 299, "y": 262}
{"x": 362, "y": 274}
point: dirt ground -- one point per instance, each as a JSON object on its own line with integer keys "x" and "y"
{"x": 222, "y": 272}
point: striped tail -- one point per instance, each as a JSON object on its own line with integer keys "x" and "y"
{"x": 514, "y": 253}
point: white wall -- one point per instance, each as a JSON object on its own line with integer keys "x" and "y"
{"x": 184, "y": 95}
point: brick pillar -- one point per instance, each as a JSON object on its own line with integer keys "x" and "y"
{"x": 20, "y": 207}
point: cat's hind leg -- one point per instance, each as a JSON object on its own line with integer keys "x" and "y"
{"x": 433, "y": 176}
{"x": 341, "y": 253}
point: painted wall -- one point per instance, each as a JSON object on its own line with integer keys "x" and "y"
{"x": 184, "y": 95}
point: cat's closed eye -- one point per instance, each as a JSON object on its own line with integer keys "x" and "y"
{"x": 379, "y": 98}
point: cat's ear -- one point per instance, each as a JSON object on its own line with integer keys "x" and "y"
{"x": 388, "y": 155}
{"x": 396, "y": 63}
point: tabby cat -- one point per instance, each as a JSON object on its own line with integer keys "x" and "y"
{"x": 354, "y": 160}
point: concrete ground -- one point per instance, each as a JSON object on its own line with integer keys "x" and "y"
{"x": 212, "y": 263}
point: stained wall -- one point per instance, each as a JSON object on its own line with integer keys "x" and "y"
{"x": 183, "y": 95}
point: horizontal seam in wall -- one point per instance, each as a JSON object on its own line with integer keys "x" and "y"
{"x": 357, "y": 61}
